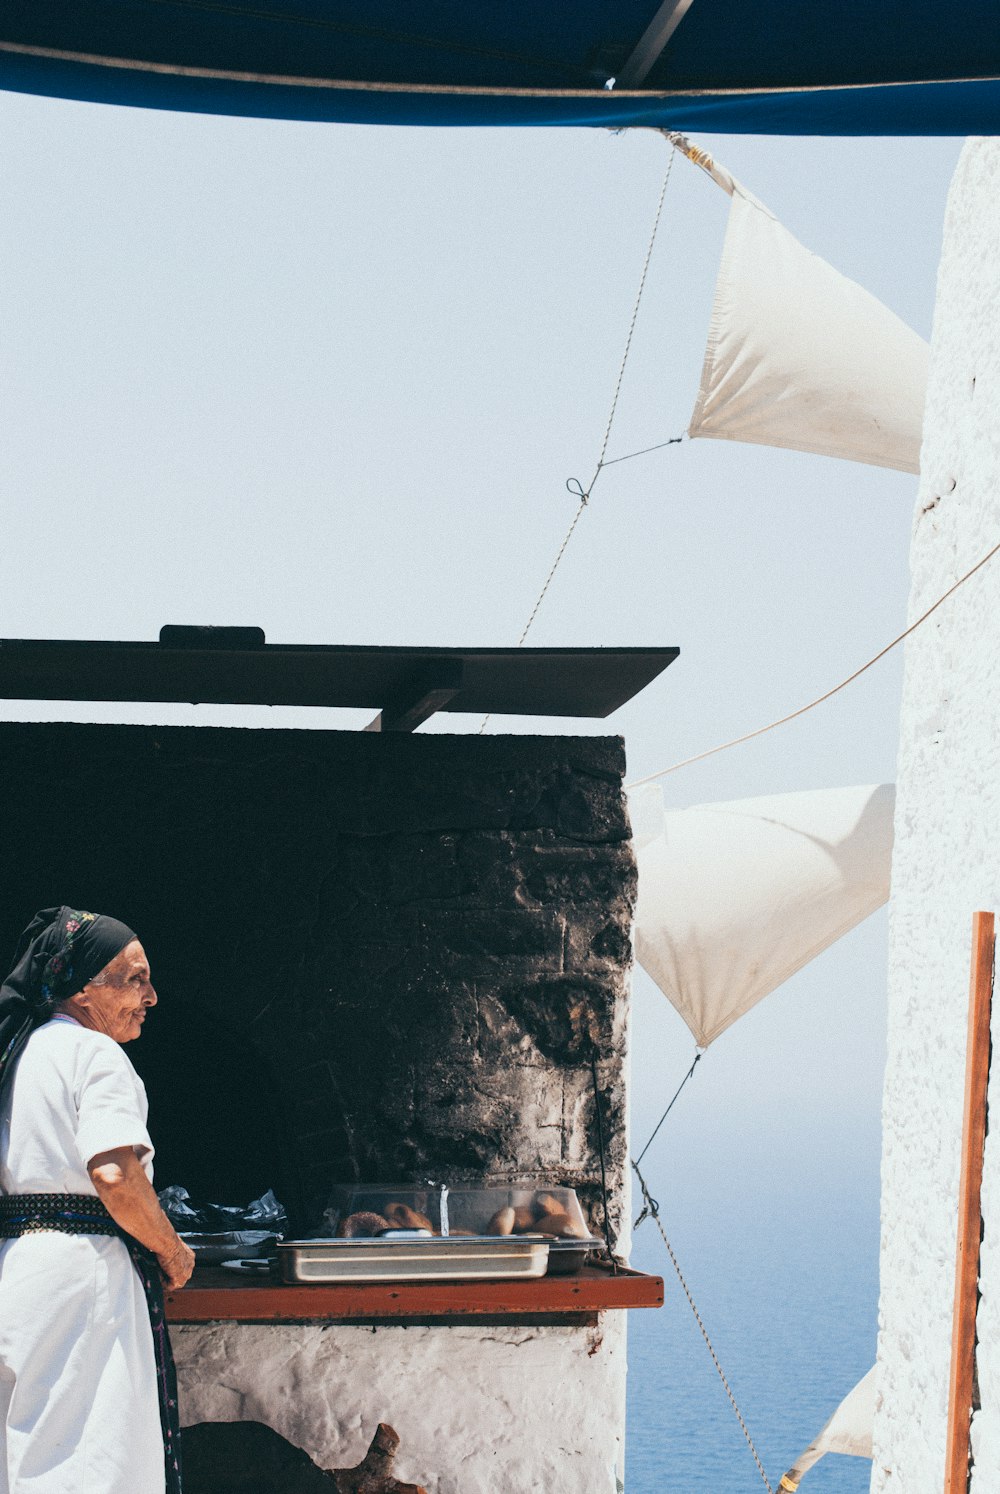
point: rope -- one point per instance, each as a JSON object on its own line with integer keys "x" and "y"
{"x": 573, "y": 484}
{"x": 792, "y": 716}
{"x": 659, "y": 1123}
{"x": 451, "y": 90}
{"x": 653, "y": 1209}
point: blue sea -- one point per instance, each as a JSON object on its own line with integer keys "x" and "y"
{"x": 787, "y": 1283}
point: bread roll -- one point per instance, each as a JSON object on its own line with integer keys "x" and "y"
{"x": 502, "y": 1222}
{"x": 560, "y": 1225}
{"x": 363, "y": 1225}
{"x": 401, "y": 1216}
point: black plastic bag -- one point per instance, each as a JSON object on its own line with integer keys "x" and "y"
{"x": 187, "y": 1217}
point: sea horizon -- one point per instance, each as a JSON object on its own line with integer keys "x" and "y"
{"x": 792, "y": 1310}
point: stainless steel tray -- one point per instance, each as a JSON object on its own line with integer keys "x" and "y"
{"x": 465, "y": 1258}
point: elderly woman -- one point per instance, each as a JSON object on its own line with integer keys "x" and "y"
{"x": 88, "y": 1401}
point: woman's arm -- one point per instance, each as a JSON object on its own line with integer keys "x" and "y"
{"x": 128, "y": 1195}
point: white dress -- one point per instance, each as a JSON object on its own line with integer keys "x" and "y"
{"x": 78, "y": 1397}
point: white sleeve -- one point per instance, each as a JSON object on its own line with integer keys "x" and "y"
{"x": 109, "y": 1109}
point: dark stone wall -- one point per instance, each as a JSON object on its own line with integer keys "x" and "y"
{"x": 378, "y": 957}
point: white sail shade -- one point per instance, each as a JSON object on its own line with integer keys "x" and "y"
{"x": 849, "y": 1430}
{"x": 799, "y": 356}
{"x": 736, "y": 897}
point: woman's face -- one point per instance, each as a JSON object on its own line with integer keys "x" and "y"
{"x": 117, "y": 1001}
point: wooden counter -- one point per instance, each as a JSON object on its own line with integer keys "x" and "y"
{"x": 214, "y": 1295}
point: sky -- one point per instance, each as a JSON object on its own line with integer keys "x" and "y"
{"x": 332, "y": 381}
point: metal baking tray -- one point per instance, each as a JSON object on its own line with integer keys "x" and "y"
{"x": 457, "y": 1258}
{"x": 213, "y": 1250}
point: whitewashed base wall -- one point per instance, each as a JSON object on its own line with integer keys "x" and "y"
{"x": 479, "y": 1410}
{"x": 946, "y": 864}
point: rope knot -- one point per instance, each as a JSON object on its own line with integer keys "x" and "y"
{"x": 650, "y": 1206}
{"x": 575, "y": 486}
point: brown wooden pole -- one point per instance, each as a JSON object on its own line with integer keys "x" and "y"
{"x": 963, "y": 1338}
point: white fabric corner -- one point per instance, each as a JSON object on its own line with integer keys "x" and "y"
{"x": 734, "y": 898}
{"x": 798, "y": 356}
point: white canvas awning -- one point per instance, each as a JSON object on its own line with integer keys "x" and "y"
{"x": 734, "y": 898}
{"x": 849, "y": 1430}
{"x": 799, "y": 356}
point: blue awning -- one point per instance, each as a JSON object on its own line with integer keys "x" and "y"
{"x": 861, "y": 67}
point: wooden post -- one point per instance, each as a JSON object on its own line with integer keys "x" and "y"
{"x": 963, "y": 1339}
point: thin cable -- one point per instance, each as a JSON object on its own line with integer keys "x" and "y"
{"x": 584, "y": 493}
{"x": 659, "y": 1123}
{"x": 555, "y": 566}
{"x": 783, "y": 720}
{"x": 635, "y": 314}
{"x": 654, "y": 1210}
{"x": 612, "y": 461}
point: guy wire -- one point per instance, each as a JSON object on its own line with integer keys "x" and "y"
{"x": 584, "y": 493}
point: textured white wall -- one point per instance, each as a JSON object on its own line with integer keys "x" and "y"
{"x": 478, "y": 1409}
{"x": 946, "y": 864}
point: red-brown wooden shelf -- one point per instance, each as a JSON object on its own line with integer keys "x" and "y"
{"x": 216, "y": 1295}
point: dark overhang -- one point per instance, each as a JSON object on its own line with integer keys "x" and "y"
{"x": 235, "y": 666}
{"x": 892, "y": 67}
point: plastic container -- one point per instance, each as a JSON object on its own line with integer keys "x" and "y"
{"x": 391, "y": 1213}
{"x": 367, "y": 1212}
{"x": 387, "y": 1212}
{"x": 554, "y": 1213}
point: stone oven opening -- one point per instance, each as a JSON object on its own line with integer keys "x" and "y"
{"x": 380, "y": 958}
{"x": 214, "y": 1111}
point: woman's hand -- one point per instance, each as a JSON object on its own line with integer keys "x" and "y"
{"x": 176, "y": 1266}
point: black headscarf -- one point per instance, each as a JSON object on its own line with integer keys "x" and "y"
{"x": 58, "y": 953}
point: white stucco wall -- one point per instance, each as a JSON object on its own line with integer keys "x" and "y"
{"x": 946, "y": 864}
{"x": 478, "y": 1409}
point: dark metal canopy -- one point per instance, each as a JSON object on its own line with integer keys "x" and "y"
{"x": 235, "y": 666}
{"x": 861, "y": 67}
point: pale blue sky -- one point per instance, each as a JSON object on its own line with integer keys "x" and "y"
{"x": 331, "y": 381}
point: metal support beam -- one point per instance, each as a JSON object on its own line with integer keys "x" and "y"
{"x": 651, "y": 44}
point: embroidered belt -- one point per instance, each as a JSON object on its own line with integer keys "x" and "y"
{"x": 69, "y": 1213}
{"x": 84, "y": 1214}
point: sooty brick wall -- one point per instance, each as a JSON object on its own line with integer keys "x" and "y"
{"x": 378, "y": 957}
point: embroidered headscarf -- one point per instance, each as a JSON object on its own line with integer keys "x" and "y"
{"x": 58, "y": 953}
